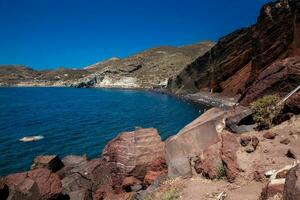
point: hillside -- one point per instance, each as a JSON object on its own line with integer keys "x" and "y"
{"x": 148, "y": 69}
{"x": 16, "y": 75}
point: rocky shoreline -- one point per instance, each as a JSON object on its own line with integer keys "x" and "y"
{"x": 135, "y": 165}
{"x": 219, "y": 155}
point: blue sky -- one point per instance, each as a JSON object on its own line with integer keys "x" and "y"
{"x": 47, "y": 34}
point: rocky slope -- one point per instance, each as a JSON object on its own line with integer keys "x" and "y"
{"x": 149, "y": 69}
{"x": 13, "y": 75}
{"x": 238, "y": 59}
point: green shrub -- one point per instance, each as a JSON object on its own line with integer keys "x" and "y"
{"x": 220, "y": 170}
{"x": 170, "y": 195}
{"x": 265, "y": 109}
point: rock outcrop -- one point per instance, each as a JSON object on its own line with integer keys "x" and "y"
{"x": 130, "y": 153}
{"x": 281, "y": 77}
{"x": 243, "y": 57}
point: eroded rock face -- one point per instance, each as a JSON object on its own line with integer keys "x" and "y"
{"x": 282, "y": 76}
{"x": 237, "y": 59}
{"x": 130, "y": 153}
{"x": 192, "y": 140}
{"x": 292, "y": 184}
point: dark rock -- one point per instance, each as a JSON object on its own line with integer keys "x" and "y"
{"x": 285, "y": 141}
{"x": 4, "y": 190}
{"x": 71, "y": 162}
{"x": 291, "y": 154}
{"x": 269, "y": 135}
{"x": 136, "y": 188}
{"x": 51, "y": 162}
{"x": 292, "y": 184}
{"x": 89, "y": 176}
{"x": 245, "y": 140}
{"x": 128, "y": 182}
{"x": 249, "y": 149}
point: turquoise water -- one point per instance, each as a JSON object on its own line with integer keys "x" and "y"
{"x": 80, "y": 121}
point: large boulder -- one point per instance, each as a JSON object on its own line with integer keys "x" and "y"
{"x": 88, "y": 176}
{"x": 51, "y": 162}
{"x": 292, "y": 184}
{"x": 130, "y": 153}
{"x": 35, "y": 184}
{"x": 192, "y": 140}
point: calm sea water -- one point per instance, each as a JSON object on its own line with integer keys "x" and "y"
{"x": 80, "y": 121}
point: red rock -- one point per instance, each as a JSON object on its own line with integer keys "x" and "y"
{"x": 285, "y": 141}
{"x": 293, "y": 103}
{"x": 51, "y": 162}
{"x": 229, "y": 148}
{"x": 269, "y": 135}
{"x": 258, "y": 176}
{"x": 130, "y": 153}
{"x": 239, "y": 57}
{"x": 275, "y": 77}
{"x": 48, "y": 183}
{"x": 152, "y": 175}
{"x": 292, "y": 184}
{"x": 40, "y": 183}
{"x": 210, "y": 161}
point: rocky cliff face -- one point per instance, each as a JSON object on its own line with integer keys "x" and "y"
{"x": 235, "y": 62}
{"x": 12, "y": 75}
{"x": 149, "y": 69}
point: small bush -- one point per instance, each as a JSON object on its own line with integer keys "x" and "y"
{"x": 220, "y": 170}
{"x": 170, "y": 195}
{"x": 265, "y": 110}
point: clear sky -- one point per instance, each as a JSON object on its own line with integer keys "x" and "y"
{"x": 47, "y": 34}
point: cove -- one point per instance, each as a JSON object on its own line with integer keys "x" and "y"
{"x": 80, "y": 121}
